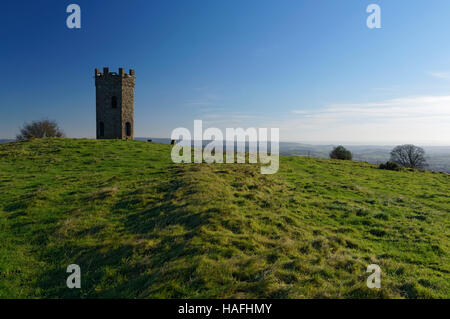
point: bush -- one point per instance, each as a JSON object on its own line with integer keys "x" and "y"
{"x": 39, "y": 129}
{"x": 341, "y": 153}
{"x": 390, "y": 166}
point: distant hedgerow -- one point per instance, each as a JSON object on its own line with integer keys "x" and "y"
{"x": 392, "y": 166}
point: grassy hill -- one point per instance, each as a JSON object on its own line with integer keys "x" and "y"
{"x": 140, "y": 226}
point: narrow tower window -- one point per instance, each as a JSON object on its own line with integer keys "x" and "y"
{"x": 102, "y": 129}
{"x": 128, "y": 128}
{"x": 114, "y": 102}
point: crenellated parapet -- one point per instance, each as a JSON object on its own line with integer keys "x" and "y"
{"x": 107, "y": 74}
{"x": 114, "y": 104}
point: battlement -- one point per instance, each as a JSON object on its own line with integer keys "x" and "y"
{"x": 107, "y": 74}
{"x": 114, "y": 104}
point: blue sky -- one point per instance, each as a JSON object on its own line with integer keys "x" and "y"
{"x": 311, "y": 68}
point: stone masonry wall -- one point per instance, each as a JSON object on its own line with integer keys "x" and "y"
{"x": 121, "y": 86}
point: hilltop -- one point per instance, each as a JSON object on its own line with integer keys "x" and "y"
{"x": 140, "y": 226}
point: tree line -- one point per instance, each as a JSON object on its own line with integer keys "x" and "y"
{"x": 407, "y": 155}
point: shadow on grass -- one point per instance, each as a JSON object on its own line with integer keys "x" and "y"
{"x": 153, "y": 257}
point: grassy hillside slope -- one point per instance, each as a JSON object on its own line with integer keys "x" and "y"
{"x": 140, "y": 226}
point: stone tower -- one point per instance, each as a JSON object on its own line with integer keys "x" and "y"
{"x": 115, "y": 104}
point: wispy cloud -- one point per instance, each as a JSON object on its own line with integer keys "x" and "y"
{"x": 400, "y": 108}
{"x": 416, "y": 119}
{"x": 420, "y": 118}
{"x": 440, "y": 75}
{"x": 203, "y": 96}
{"x": 235, "y": 119}
{"x": 204, "y": 99}
{"x": 198, "y": 103}
{"x": 386, "y": 89}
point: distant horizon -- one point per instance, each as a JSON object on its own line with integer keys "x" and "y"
{"x": 336, "y": 143}
{"x": 312, "y": 143}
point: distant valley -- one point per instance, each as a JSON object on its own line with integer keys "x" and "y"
{"x": 438, "y": 157}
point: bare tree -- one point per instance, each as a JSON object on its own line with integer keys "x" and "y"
{"x": 39, "y": 129}
{"x": 409, "y": 155}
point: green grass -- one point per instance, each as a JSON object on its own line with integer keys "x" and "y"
{"x": 140, "y": 226}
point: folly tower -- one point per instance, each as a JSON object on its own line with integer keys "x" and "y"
{"x": 115, "y": 104}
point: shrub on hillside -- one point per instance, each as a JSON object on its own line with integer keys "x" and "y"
{"x": 340, "y": 152}
{"x": 39, "y": 129}
{"x": 390, "y": 166}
